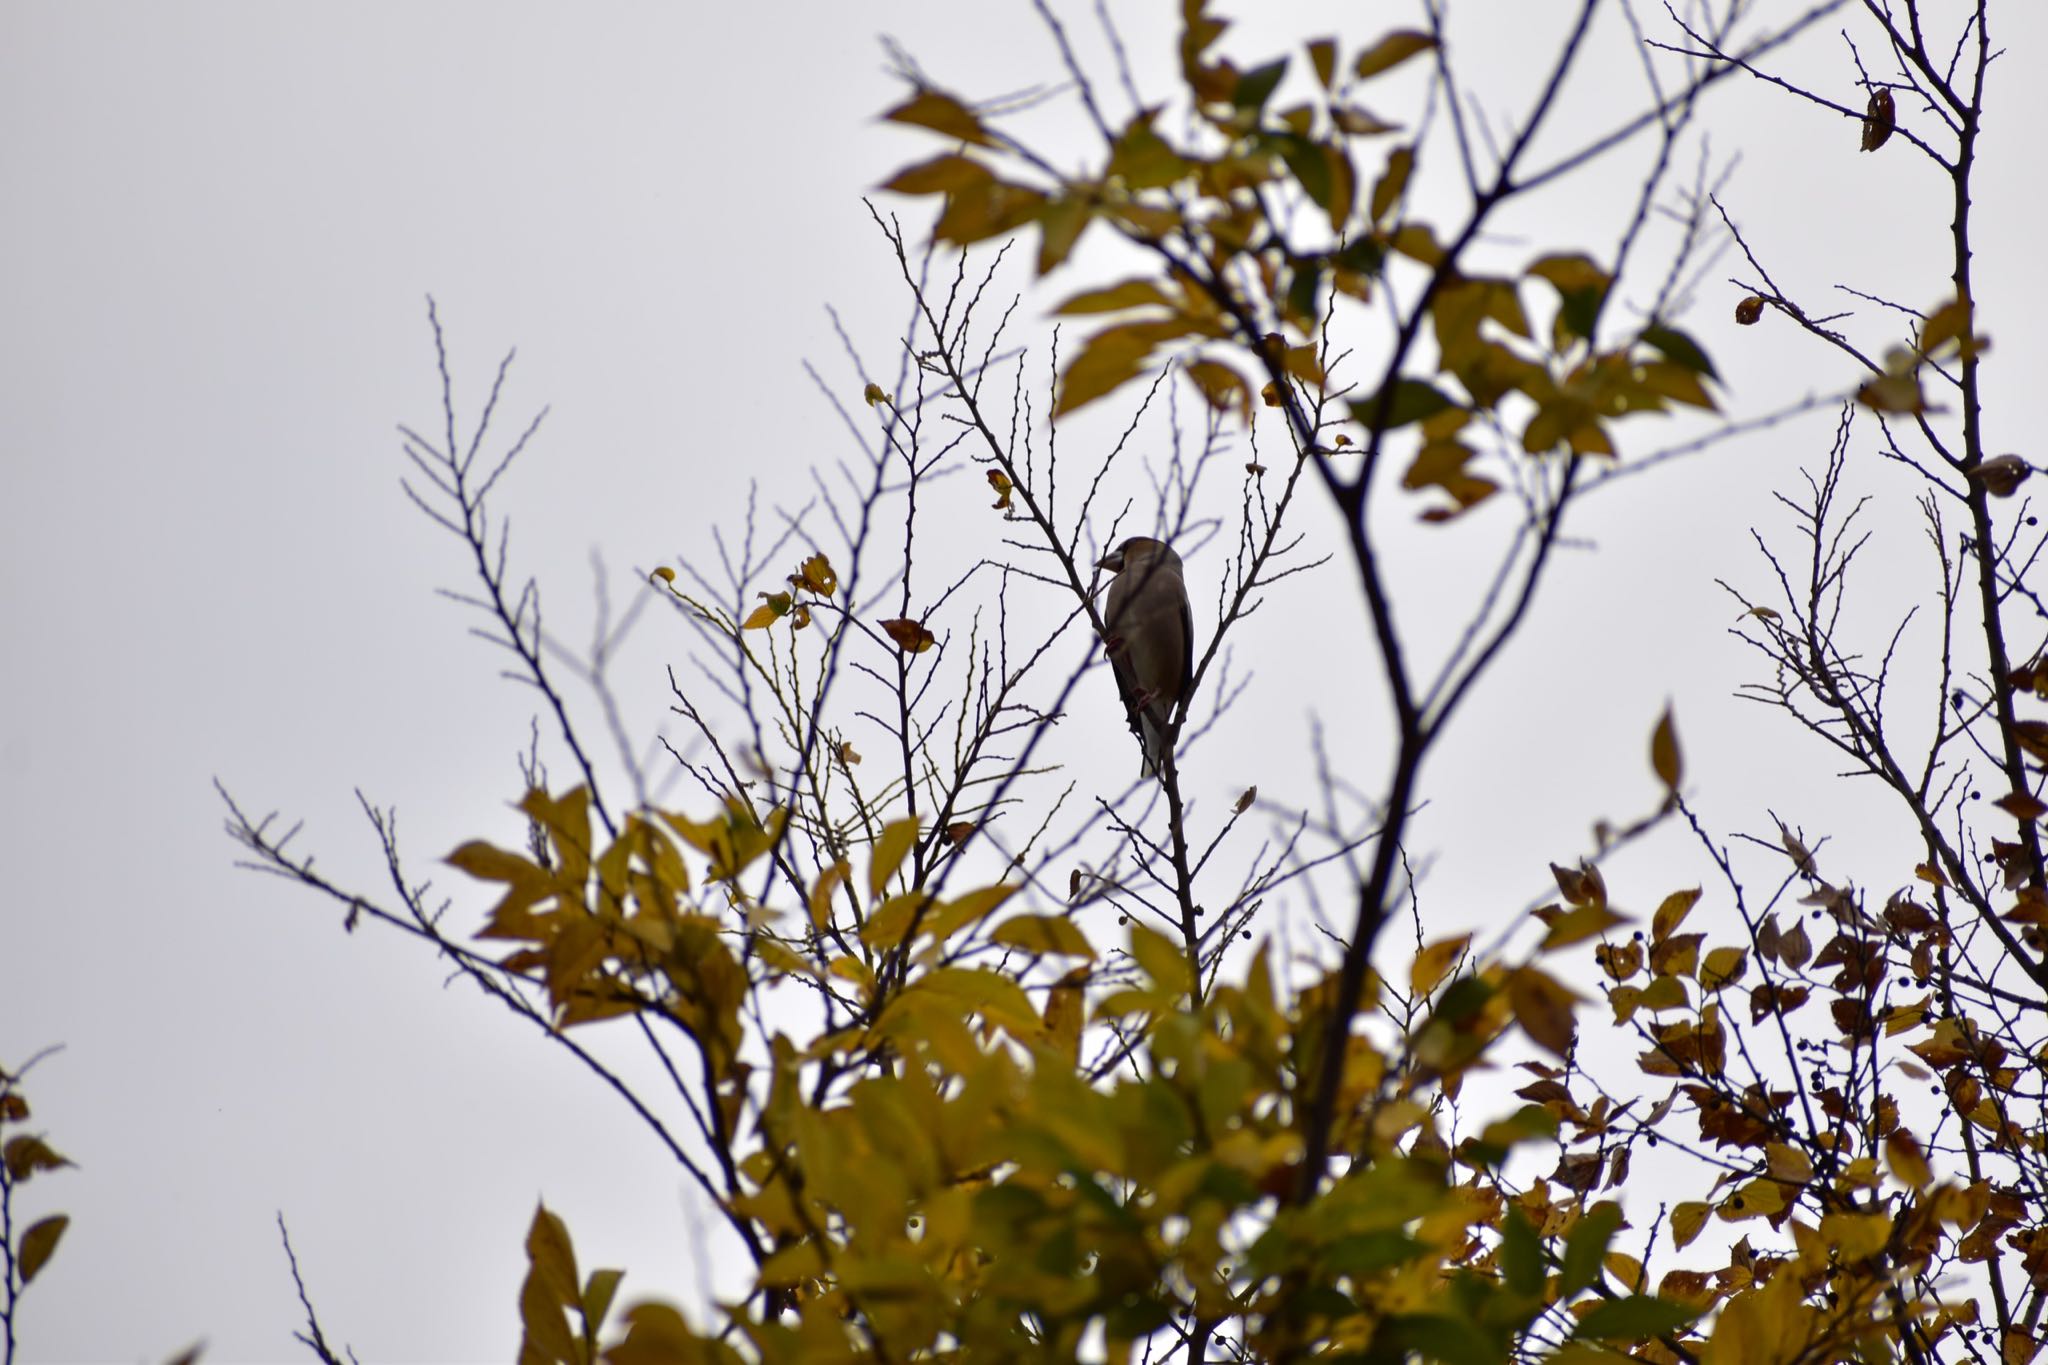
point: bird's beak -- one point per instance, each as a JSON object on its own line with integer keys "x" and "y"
{"x": 1113, "y": 561}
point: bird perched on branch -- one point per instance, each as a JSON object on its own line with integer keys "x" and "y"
{"x": 1150, "y": 635}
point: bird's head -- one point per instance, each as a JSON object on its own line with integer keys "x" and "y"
{"x": 1136, "y": 553}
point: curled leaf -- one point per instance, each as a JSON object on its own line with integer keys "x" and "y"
{"x": 773, "y": 608}
{"x": 816, "y": 575}
{"x": 910, "y": 636}
{"x": 1749, "y": 310}
{"x": 1000, "y": 481}
{"x": 2002, "y": 475}
{"x": 874, "y": 394}
{"x": 1878, "y": 120}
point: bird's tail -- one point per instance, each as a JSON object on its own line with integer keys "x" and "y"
{"x": 1153, "y": 734}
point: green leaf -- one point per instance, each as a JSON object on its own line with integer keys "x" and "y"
{"x": 1680, "y": 349}
{"x": 1160, "y": 958}
{"x": 1411, "y": 401}
{"x": 1454, "y": 1340}
{"x": 1256, "y": 86}
{"x": 1635, "y": 1317}
{"x": 598, "y": 1293}
{"x": 1521, "y": 1254}
{"x": 1585, "y": 1247}
{"x": 1304, "y": 291}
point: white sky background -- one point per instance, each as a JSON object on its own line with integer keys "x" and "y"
{"x": 221, "y": 222}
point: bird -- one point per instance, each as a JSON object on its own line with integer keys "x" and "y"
{"x": 1149, "y": 633}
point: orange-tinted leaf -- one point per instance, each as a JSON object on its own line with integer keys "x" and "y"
{"x": 910, "y": 636}
{"x": 1543, "y": 1007}
{"x": 2002, "y": 475}
{"x": 817, "y": 575}
{"x": 1879, "y": 118}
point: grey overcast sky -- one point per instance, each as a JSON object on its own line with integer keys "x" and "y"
{"x": 221, "y": 223}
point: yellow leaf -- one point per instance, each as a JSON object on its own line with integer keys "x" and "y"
{"x": 768, "y": 613}
{"x": 890, "y": 923}
{"x": 891, "y": 846}
{"x": 1671, "y": 913}
{"x": 1856, "y": 1236}
{"x": 1759, "y": 1198}
{"x": 969, "y": 907}
{"x": 1063, "y": 1009}
{"x": 1434, "y": 963}
{"x": 822, "y": 891}
{"x": 1723, "y": 967}
{"x": 1578, "y": 924}
{"x": 1908, "y": 1162}
{"x": 1687, "y": 1219}
{"x": 1044, "y": 934}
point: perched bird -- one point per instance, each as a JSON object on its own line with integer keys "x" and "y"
{"x": 1150, "y": 635}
